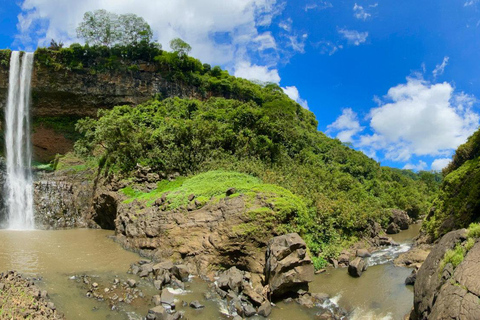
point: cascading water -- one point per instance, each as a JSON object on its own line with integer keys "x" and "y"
{"x": 19, "y": 184}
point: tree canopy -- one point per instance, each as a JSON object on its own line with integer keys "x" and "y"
{"x": 105, "y": 28}
{"x": 179, "y": 46}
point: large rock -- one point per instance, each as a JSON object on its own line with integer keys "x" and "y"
{"x": 400, "y": 218}
{"x": 357, "y": 267}
{"x": 392, "y": 228}
{"x": 231, "y": 280}
{"x": 288, "y": 267}
{"x": 429, "y": 280}
{"x": 459, "y": 297}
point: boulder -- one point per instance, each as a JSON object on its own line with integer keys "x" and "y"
{"x": 159, "y": 313}
{"x": 231, "y": 279}
{"x": 265, "y": 309}
{"x": 196, "y": 305}
{"x": 167, "y": 298}
{"x": 459, "y": 297}
{"x": 410, "y": 280}
{"x": 429, "y": 280}
{"x": 363, "y": 253}
{"x": 288, "y": 267}
{"x": 357, "y": 267}
{"x": 400, "y": 218}
{"x": 393, "y": 228}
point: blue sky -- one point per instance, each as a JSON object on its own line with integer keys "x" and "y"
{"x": 397, "y": 80}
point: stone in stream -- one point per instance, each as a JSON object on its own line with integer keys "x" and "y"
{"x": 131, "y": 283}
{"x": 156, "y": 300}
{"x": 265, "y": 309}
{"x": 288, "y": 267}
{"x": 196, "y": 305}
{"x": 410, "y": 280}
{"x": 357, "y": 267}
{"x": 363, "y": 253}
{"x": 167, "y": 298}
{"x": 393, "y": 228}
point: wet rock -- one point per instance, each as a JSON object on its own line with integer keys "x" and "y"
{"x": 156, "y": 300}
{"x": 357, "y": 267}
{"x": 181, "y": 272}
{"x": 249, "y": 310}
{"x": 343, "y": 259}
{"x": 386, "y": 241}
{"x": 159, "y": 313}
{"x": 131, "y": 283}
{"x": 400, "y": 218}
{"x": 231, "y": 279}
{"x": 265, "y": 309}
{"x": 158, "y": 284}
{"x": 196, "y": 305}
{"x": 288, "y": 267}
{"x": 167, "y": 298}
{"x": 363, "y": 253}
{"x": 393, "y": 228}
{"x": 306, "y": 300}
{"x": 410, "y": 280}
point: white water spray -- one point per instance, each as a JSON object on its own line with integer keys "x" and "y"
{"x": 19, "y": 184}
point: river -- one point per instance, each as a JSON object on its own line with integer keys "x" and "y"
{"x": 380, "y": 293}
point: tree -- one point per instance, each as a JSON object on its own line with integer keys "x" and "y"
{"x": 99, "y": 28}
{"x": 105, "y": 28}
{"x": 181, "y": 47}
{"x": 133, "y": 29}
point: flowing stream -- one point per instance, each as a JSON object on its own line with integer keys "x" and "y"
{"x": 380, "y": 293}
{"x": 19, "y": 185}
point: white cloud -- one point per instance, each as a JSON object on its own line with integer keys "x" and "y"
{"x": 346, "y": 126}
{"x": 421, "y": 165}
{"x": 320, "y": 6}
{"x": 440, "y": 68}
{"x": 360, "y": 13}
{"x": 297, "y": 43}
{"x": 246, "y": 70}
{"x": 470, "y": 3}
{"x": 420, "y": 119}
{"x": 353, "y": 36}
{"x": 439, "y": 164}
{"x": 328, "y": 47}
{"x": 293, "y": 93}
{"x": 220, "y": 32}
{"x": 286, "y": 24}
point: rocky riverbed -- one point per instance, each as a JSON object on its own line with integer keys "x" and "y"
{"x": 20, "y": 298}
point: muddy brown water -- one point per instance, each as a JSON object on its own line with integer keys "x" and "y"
{"x": 57, "y": 255}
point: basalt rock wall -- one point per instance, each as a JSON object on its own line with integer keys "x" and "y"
{"x": 82, "y": 92}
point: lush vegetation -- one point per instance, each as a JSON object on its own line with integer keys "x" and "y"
{"x": 247, "y": 135}
{"x": 458, "y": 202}
{"x": 456, "y": 255}
{"x": 276, "y": 141}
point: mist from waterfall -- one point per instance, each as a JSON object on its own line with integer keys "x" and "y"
{"x": 19, "y": 182}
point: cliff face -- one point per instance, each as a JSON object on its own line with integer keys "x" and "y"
{"x": 81, "y": 93}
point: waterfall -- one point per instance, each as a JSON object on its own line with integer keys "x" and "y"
{"x": 19, "y": 184}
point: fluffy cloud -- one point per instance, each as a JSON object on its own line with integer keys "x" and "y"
{"x": 353, "y": 36}
{"x": 263, "y": 74}
{"x": 439, "y": 164}
{"x": 220, "y": 32}
{"x": 293, "y": 93}
{"x": 360, "y": 13}
{"x": 421, "y": 165}
{"x": 346, "y": 126}
{"x": 421, "y": 119}
{"x": 470, "y": 3}
{"x": 440, "y": 68}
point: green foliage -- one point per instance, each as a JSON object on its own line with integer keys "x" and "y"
{"x": 319, "y": 262}
{"x": 179, "y": 46}
{"x": 458, "y": 202}
{"x": 474, "y": 230}
{"x": 105, "y": 28}
{"x": 5, "y": 58}
{"x": 454, "y": 256}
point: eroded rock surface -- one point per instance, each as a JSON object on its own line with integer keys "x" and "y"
{"x": 288, "y": 267}
{"x": 429, "y": 280}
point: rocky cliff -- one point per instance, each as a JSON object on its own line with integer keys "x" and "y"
{"x": 447, "y": 284}
{"x": 82, "y": 92}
